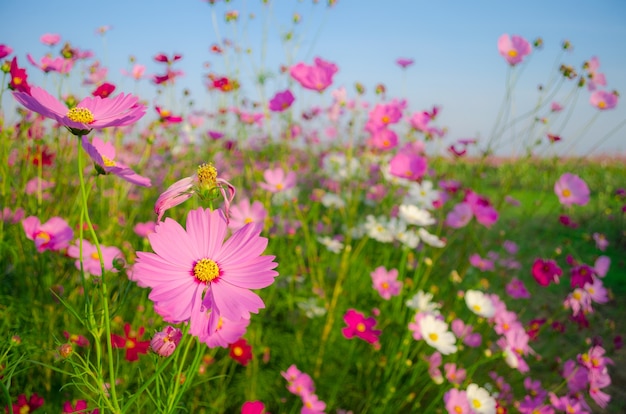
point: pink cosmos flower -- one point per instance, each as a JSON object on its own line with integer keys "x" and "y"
{"x": 408, "y": 165}
{"x": 454, "y": 374}
{"x": 601, "y": 242}
{"x": 484, "y": 212}
{"x": 459, "y": 216}
{"x": 76, "y": 339}
{"x": 594, "y": 77}
{"x": 601, "y": 266}
{"x": 167, "y": 117}
{"x": 386, "y": 282}
{"x": 103, "y": 155}
{"x": 404, "y": 63}
{"x": 513, "y": 48}
{"x": 383, "y": 139}
{"x": 5, "y": 51}
{"x": 243, "y": 213}
{"x": 79, "y": 407}
{"x": 556, "y": 107}
{"x": 164, "y": 342}
{"x": 384, "y": 115}
{"x": 104, "y": 91}
{"x": 194, "y": 271}
{"x": 312, "y": 404}
{"x": 19, "y": 78}
{"x": 456, "y": 402}
{"x": 546, "y": 271}
{"x": 137, "y": 72}
{"x": 91, "y": 259}
{"x": 571, "y": 189}
{"x": 478, "y": 262}
{"x": 281, "y": 101}
{"x": 226, "y": 333}
{"x": 516, "y": 289}
{"x": 131, "y": 342}
{"x": 143, "y": 229}
{"x": 90, "y": 113}
{"x": 317, "y": 77}
{"x": 203, "y": 183}
{"x": 277, "y": 181}
{"x": 47, "y": 64}
{"x": 50, "y": 39}
{"x": 603, "y": 100}
{"x": 55, "y": 234}
{"x": 360, "y": 326}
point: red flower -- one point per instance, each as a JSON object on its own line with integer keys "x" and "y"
{"x": 131, "y": 342}
{"x": 546, "y": 271}
{"x": 240, "y": 351}
{"x": 18, "y": 78}
{"x": 104, "y": 91}
{"x": 26, "y": 406}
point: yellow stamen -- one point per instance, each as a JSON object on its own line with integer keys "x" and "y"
{"x": 130, "y": 344}
{"x": 566, "y": 192}
{"x": 385, "y": 119}
{"x": 42, "y": 235}
{"x": 360, "y": 327}
{"x": 248, "y": 220}
{"x": 82, "y": 115}
{"x": 476, "y": 403}
{"x": 512, "y": 53}
{"x": 238, "y": 351}
{"x": 207, "y": 175}
{"x": 602, "y": 105}
{"x": 205, "y": 270}
{"x": 107, "y": 161}
{"x": 95, "y": 256}
{"x": 17, "y": 81}
{"x": 433, "y": 337}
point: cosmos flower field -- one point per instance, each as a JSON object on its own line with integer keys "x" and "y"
{"x": 255, "y": 258}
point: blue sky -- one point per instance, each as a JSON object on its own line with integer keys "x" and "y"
{"x": 453, "y": 43}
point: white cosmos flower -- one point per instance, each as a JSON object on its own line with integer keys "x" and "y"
{"x": 479, "y": 400}
{"x": 430, "y": 239}
{"x": 423, "y": 195}
{"x": 332, "y": 200}
{"x": 479, "y": 303}
{"x": 436, "y": 334}
{"x": 423, "y": 302}
{"x": 415, "y": 215}
{"x": 331, "y": 244}
{"x": 378, "y": 229}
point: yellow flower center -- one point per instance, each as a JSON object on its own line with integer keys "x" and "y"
{"x": 476, "y": 308}
{"x": 360, "y": 327}
{"x": 248, "y": 220}
{"x": 385, "y": 119}
{"x": 512, "y": 53}
{"x": 566, "y": 192}
{"x": 476, "y": 403}
{"x": 577, "y": 295}
{"x": 43, "y": 236}
{"x": 207, "y": 175}
{"x": 130, "y": 344}
{"x": 205, "y": 270}
{"x": 95, "y": 256}
{"x": 82, "y": 115}
{"x": 220, "y": 323}
{"x": 385, "y": 285}
{"x": 238, "y": 351}
{"x": 279, "y": 186}
{"x": 108, "y": 162}
{"x": 458, "y": 409}
{"x": 602, "y": 105}
{"x": 17, "y": 81}
{"x": 433, "y": 337}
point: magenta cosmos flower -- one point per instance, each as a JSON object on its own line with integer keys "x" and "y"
{"x": 55, "y": 234}
{"x": 281, "y": 101}
{"x": 513, "y": 48}
{"x": 103, "y": 155}
{"x": 193, "y": 270}
{"x": 90, "y": 113}
{"x": 546, "y": 271}
{"x": 360, "y": 326}
{"x": 317, "y": 77}
{"x": 571, "y": 189}
{"x": 404, "y": 63}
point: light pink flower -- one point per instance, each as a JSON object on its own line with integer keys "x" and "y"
{"x": 603, "y": 100}
{"x": 91, "y": 259}
{"x": 55, "y": 234}
{"x": 50, "y": 39}
{"x": 226, "y": 333}
{"x": 103, "y": 155}
{"x": 408, "y": 165}
{"x": 243, "y": 213}
{"x": 386, "y": 282}
{"x": 277, "y": 181}
{"x": 194, "y": 271}
{"x": 90, "y": 113}
{"x": 571, "y": 189}
{"x": 513, "y": 48}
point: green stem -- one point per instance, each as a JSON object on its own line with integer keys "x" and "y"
{"x": 103, "y": 287}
